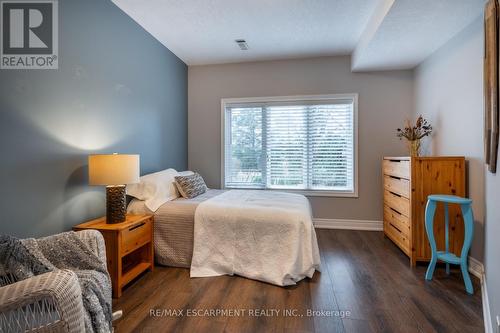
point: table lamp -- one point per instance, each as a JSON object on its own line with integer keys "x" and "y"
{"x": 115, "y": 172}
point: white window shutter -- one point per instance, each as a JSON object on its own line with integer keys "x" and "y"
{"x": 331, "y": 148}
{"x": 244, "y": 155}
{"x": 300, "y": 145}
{"x": 286, "y": 140}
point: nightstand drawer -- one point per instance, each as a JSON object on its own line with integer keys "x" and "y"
{"x": 135, "y": 236}
{"x": 129, "y": 247}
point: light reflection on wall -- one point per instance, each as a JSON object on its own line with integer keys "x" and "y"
{"x": 79, "y": 134}
{"x": 78, "y": 131}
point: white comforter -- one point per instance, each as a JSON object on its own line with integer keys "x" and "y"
{"x": 261, "y": 235}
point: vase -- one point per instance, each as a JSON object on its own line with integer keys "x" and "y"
{"x": 414, "y": 147}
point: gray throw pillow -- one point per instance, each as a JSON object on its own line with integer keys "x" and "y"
{"x": 190, "y": 186}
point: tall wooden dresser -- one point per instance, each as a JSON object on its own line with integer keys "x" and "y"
{"x": 407, "y": 183}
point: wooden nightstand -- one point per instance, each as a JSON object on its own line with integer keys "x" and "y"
{"x": 129, "y": 247}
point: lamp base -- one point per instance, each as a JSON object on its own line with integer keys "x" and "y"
{"x": 116, "y": 208}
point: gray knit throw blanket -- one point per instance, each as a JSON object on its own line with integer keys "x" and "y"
{"x": 22, "y": 259}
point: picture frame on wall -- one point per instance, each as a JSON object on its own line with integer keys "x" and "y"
{"x": 491, "y": 89}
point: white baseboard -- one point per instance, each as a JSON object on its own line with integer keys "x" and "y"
{"x": 476, "y": 268}
{"x": 488, "y": 327}
{"x": 367, "y": 225}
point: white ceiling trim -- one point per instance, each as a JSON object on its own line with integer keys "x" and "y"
{"x": 373, "y": 25}
{"x": 403, "y": 33}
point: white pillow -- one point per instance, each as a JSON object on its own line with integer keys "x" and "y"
{"x": 155, "y": 189}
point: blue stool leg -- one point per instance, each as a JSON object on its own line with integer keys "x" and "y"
{"x": 469, "y": 232}
{"x": 430, "y": 209}
{"x": 447, "y": 234}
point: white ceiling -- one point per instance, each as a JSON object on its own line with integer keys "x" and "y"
{"x": 381, "y": 34}
{"x": 203, "y": 32}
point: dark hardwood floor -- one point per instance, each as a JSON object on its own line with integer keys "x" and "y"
{"x": 364, "y": 276}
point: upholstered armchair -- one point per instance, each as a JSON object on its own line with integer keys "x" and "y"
{"x": 50, "y": 302}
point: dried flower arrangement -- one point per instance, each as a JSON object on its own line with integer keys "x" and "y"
{"x": 415, "y": 133}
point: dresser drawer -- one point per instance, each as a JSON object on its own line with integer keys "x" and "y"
{"x": 397, "y": 168}
{"x": 401, "y": 240}
{"x": 399, "y": 221}
{"x": 396, "y": 185}
{"x": 136, "y": 236}
{"x": 397, "y": 202}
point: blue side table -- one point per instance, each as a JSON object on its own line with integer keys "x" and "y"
{"x": 446, "y": 256}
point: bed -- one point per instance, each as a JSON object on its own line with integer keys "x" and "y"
{"x": 262, "y": 235}
{"x": 173, "y": 228}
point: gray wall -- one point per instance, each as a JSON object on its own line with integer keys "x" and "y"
{"x": 449, "y": 90}
{"x": 492, "y": 245}
{"x": 449, "y": 93}
{"x": 385, "y": 100}
{"x": 117, "y": 90}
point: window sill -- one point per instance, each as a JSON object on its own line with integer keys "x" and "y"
{"x": 308, "y": 193}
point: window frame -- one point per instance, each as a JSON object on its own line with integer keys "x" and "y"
{"x": 288, "y": 99}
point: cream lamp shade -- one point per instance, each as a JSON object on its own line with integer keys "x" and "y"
{"x": 115, "y": 169}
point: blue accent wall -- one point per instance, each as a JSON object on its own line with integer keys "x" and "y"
{"x": 117, "y": 89}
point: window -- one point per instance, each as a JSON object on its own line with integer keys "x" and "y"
{"x": 305, "y": 143}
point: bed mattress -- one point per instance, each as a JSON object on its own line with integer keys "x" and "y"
{"x": 173, "y": 228}
{"x": 261, "y": 235}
